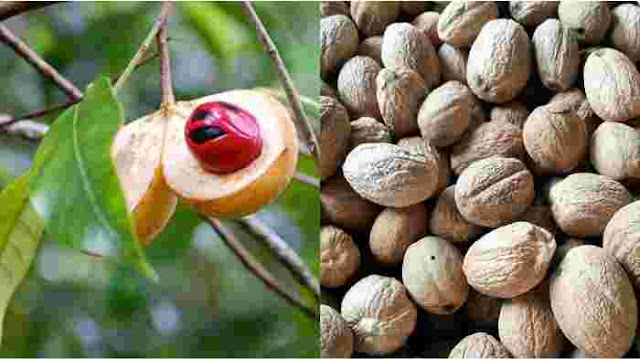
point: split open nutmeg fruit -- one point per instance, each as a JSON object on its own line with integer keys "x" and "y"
{"x": 227, "y": 155}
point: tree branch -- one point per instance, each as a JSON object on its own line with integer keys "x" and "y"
{"x": 12, "y": 8}
{"x": 165, "y": 64}
{"x": 302, "y": 123}
{"x": 258, "y": 269}
{"x": 23, "y": 50}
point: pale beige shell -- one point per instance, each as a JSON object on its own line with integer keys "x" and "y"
{"x": 594, "y": 303}
{"x": 400, "y": 93}
{"x": 453, "y": 63}
{"x": 445, "y": 114}
{"x": 447, "y": 222}
{"x": 339, "y": 257}
{"x": 372, "y": 17}
{"x": 556, "y": 140}
{"x": 615, "y": 151}
{"x": 339, "y": 39}
{"x": 357, "y": 86}
{"x": 395, "y": 230}
{"x": 527, "y": 327}
{"x": 621, "y": 239}
{"x": 391, "y": 175}
{"x": 461, "y": 21}
{"x": 514, "y": 112}
{"x": 345, "y": 208}
{"x": 337, "y": 337}
{"x": 625, "y": 30}
{"x": 583, "y": 203}
{"x": 334, "y": 141}
{"x": 368, "y": 130}
{"x": 444, "y": 171}
{"x": 557, "y": 55}
{"x": 329, "y": 8}
{"x": 488, "y": 139}
{"x": 499, "y": 61}
{"x": 432, "y": 274}
{"x": 588, "y": 19}
{"x": 371, "y": 47}
{"x": 405, "y": 45}
{"x": 428, "y": 23}
{"x": 509, "y": 261}
{"x": 532, "y": 13}
{"x": 494, "y": 191}
{"x": 479, "y": 345}
{"x": 482, "y": 309}
{"x": 612, "y": 85}
{"x": 380, "y": 314}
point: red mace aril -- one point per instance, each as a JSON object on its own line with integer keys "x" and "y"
{"x": 222, "y": 137}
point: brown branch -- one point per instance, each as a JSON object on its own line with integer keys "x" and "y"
{"x": 23, "y": 50}
{"x": 306, "y": 179}
{"x": 302, "y": 123}
{"x": 258, "y": 269}
{"x": 286, "y": 255}
{"x": 166, "y": 82}
{"x": 37, "y": 114}
{"x": 12, "y": 8}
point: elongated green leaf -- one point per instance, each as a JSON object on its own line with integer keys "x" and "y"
{"x": 20, "y": 232}
{"x": 75, "y": 188}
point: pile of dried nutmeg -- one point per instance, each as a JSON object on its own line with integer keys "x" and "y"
{"x": 480, "y": 179}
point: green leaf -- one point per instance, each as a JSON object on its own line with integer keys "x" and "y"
{"x": 75, "y": 188}
{"x": 20, "y": 231}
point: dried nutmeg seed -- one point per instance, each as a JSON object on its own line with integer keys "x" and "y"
{"x": 583, "y": 203}
{"x": 446, "y": 113}
{"x": 400, "y": 93}
{"x": 479, "y": 345}
{"x": 371, "y": 47}
{"x": 499, "y": 61}
{"x": 432, "y": 274}
{"x": 615, "y": 151}
{"x": 625, "y": 32}
{"x": 392, "y": 175}
{"x": 555, "y": 139}
{"x": 357, "y": 86}
{"x": 527, "y": 327}
{"x": 494, "y": 191}
{"x": 368, "y": 130}
{"x": 336, "y": 130}
{"x": 514, "y": 112}
{"x": 447, "y": 222}
{"x": 339, "y": 39}
{"x": 509, "y": 261}
{"x": 404, "y": 45}
{"x": 346, "y": 209}
{"x": 588, "y": 20}
{"x": 594, "y": 303}
{"x": 329, "y": 8}
{"x": 621, "y": 239}
{"x": 372, "y": 17}
{"x": 557, "y": 55}
{"x": 428, "y": 23}
{"x": 612, "y": 85}
{"x": 453, "y": 63}
{"x": 461, "y": 21}
{"x": 337, "y": 337}
{"x": 380, "y": 313}
{"x": 532, "y": 13}
{"x": 444, "y": 172}
{"x": 395, "y": 230}
{"x": 339, "y": 257}
{"x": 489, "y": 139}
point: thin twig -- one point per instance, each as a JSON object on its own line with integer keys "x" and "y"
{"x": 306, "y": 179}
{"x": 12, "y": 8}
{"x": 23, "y": 50}
{"x": 143, "y": 62}
{"x": 142, "y": 50}
{"x": 286, "y": 255}
{"x": 37, "y": 114}
{"x": 256, "y": 268}
{"x": 302, "y": 123}
{"x": 166, "y": 82}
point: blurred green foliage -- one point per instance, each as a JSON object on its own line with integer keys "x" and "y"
{"x": 206, "y": 303}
